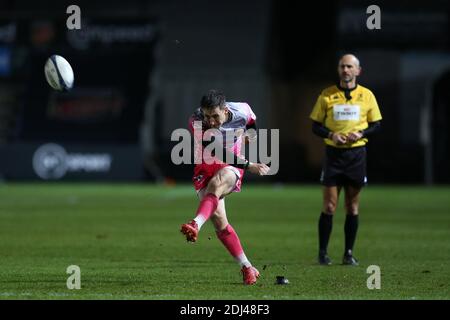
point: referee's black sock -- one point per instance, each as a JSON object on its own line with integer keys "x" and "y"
{"x": 350, "y": 229}
{"x": 325, "y": 226}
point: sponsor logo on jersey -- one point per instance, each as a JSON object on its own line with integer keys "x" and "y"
{"x": 345, "y": 112}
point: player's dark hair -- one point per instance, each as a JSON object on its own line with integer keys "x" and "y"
{"x": 213, "y": 99}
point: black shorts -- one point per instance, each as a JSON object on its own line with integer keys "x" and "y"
{"x": 344, "y": 166}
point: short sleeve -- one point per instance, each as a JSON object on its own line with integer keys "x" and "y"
{"x": 374, "y": 113}
{"x": 319, "y": 110}
{"x": 251, "y": 116}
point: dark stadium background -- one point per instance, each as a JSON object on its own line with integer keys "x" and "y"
{"x": 130, "y": 94}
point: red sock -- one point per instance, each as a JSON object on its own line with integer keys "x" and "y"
{"x": 231, "y": 241}
{"x": 207, "y": 206}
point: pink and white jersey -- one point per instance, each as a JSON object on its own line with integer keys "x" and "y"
{"x": 232, "y": 131}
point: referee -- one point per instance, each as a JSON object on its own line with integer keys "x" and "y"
{"x": 344, "y": 116}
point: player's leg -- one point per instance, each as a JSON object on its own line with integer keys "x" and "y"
{"x": 229, "y": 238}
{"x": 351, "y": 222}
{"x": 222, "y": 183}
{"x": 330, "y": 200}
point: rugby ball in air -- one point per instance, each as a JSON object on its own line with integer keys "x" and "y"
{"x": 59, "y": 73}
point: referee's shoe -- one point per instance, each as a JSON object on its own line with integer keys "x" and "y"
{"x": 349, "y": 260}
{"x": 324, "y": 259}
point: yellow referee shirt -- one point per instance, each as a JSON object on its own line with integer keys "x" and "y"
{"x": 340, "y": 115}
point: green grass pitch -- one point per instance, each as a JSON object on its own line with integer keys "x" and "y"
{"x": 126, "y": 240}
